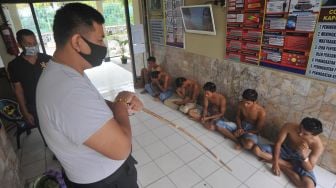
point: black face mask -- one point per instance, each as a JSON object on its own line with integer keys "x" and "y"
{"x": 97, "y": 55}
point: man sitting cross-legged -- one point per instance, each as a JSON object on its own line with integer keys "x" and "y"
{"x": 146, "y": 72}
{"x": 295, "y": 152}
{"x": 189, "y": 91}
{"x": 160, "y": 85}
{"x": 214, "y": 106}
{"x": 250, "y": 120}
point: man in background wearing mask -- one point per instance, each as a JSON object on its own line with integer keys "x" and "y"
{"x": 24, "y": 72}
{"x": 90, "y": 137}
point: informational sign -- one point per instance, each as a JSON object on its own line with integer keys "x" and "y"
{"x": 138, "y": 38}
{"x": 323, "y": 60}
{"x": 174, "y": 23}
{"x": 156, "y": 29}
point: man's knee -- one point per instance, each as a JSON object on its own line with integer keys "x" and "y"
{"x": 256, "y": 150}
{"x": 307, "y": 182}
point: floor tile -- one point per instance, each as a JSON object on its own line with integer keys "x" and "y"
{"x": 184, "y": 177}
{"x": 207, "y": 141}
{"x": 222, "y": 178}
{"x": 241, "y": 169}
{"x": 139, "y": 130}
{"x": 203, "y": 166}
{"x": 135, "y": 145}
{"x": 324, "y": 177}
{"x": 259, "y": 179}
{"x": 149, "y": 173}
{"x": 188, "y": 152}
{"x": 194, "y": 131}
{"x": 181, "y": 123}
{"x": 163, "y": 131}
{"x": 216, "y": 136}
{"x": 222, "y": 153}
{"x": 243, "y": 186}
{"x": 143, "y": 116}
{"x": 154, "y": 124}
{"x": 202, "y": 184}
{"x": 146, "y": 139}
{"x": 156, "y": 149}
{"x": 250, "y": 158}
{"x": 169, "y": 162}
{"x": 171, "y": 116}
{"x": 267, "y": 170}
{"x": 141, "y": 156}
{"x": 162, "y": 183}
{"x": 174, "y": 141}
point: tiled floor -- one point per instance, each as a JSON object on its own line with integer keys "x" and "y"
{"x": 167, "y": 158}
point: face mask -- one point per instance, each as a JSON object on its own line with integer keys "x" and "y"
{"x": 32, "y": 50}
{"x": 97, "y": 55}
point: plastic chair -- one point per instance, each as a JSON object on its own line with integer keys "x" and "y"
{"x": 10, "y": 111}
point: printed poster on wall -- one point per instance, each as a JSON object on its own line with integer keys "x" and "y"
{"x": 174, "y": 24}
{"x": 323, "y": 60}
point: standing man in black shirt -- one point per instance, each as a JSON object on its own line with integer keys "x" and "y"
{"x": 24, "y": 72}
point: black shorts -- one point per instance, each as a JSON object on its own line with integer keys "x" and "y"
{"x": 124, "y": 177}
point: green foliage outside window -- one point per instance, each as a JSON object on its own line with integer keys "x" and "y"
{"x": 113, "y": 11}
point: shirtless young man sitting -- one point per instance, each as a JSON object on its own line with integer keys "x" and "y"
{"x": 214, "y": 106}
{"x": 146, "y": 72}
{"x": 160, "y": 85}
{"x": 295, "y": 152}
{"x": 189, "y": 91}
{"x": 250, "y": 120}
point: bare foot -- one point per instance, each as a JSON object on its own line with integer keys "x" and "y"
{"x": 210, "y": 127}
{"x": 156, "y": 99}
{"x": 238, "y": 147}
{"x": 143, "y": 91}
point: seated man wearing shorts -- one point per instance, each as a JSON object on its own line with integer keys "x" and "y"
{"x": 145, "y": 72}
{"x": 295, "y": 152}
{"x": 189, "y": 91}
{"x": 214, "y": 106}
{"x": 160, "y": 85}
{"x": 250, "y": 120}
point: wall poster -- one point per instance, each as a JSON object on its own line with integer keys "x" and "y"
{"x": 288, "y": 34}
{"x": 323, "y": 57}
{"x": 173, "y": 23}
{"x": 244, "y": 30}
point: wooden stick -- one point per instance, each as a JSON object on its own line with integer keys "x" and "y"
{"x": 188, "y": 134}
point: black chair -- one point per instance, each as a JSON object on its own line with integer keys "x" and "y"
{"x": 10, "y": 111}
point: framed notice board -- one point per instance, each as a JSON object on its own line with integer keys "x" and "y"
{"x": 288, "y": 34}
{"x": 244, "y": 30}
{"x": 174, "y": 33}
{"x": 323, "y": 57}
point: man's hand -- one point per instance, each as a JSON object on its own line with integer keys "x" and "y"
{"x": 29, "y": 118}
{"x": 135, "y": 105}
{"x": 239, "y": 132}
{"x": 303, "y": 149}
{"x": 276, "y": 169}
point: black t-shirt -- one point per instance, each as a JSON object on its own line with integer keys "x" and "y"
{"x": 20, "y": 70}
